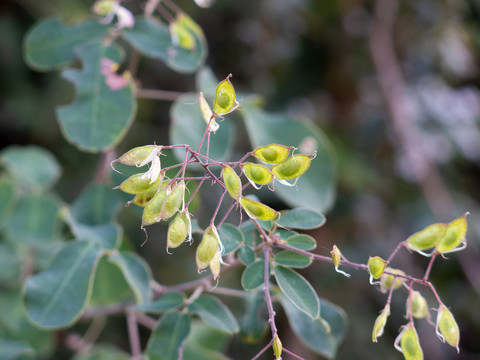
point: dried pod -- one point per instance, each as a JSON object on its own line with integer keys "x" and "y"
{"x": 208, "y": 247}
{"x": 376, "y": 267}
{"x": 426, "y": 238}
{"x": 225, "y": 101}
{"x": 292, "y": 168}
{"x": 257, "y": 210}
{"x": 454, "y": 236}
{"x": 447, "y": 328}
{"x": 137, "y": 184}
{"x": 277, "y": 347}
{"x": 386, "y": 280}
{"x": 153, "y": 209}
{"x": 178, "y": 230}
{"x": 380, "y": 322}
{"x": 232, "y": 182}
{"x": 417, "y": 304}
{"x": 272, "y": 154}
{"x": 409, "y": 343}
{"x": 257, "y": 174}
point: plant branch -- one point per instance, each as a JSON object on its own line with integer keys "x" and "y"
{"x": 134, "y": 336}
{"x": 266, "y": 288}
{"x": 263, "y": 350}
{"x": 158, "y": 94}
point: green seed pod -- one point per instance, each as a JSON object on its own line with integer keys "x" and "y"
{"x": 292, "y": 168}
{"x": 272, "y": 154}
{"x": 139, "y": 156}
{"x": 447, "y": 328}
{"x": 380, "y": 322}
{"x": 207, "y": 248}
{"x": 104, "y": 7}
{"x": 232, "y": 182}
{"x": 376, "y": 267}
{"x": 454, "y": 235}
{"x": 215, "y": 265}
{"x": 257, "y": 210}
{"x": 178, "y": 230}
{"x": 426, "y": 238}
{"x": 153, "y": 209}
{"x": 142, "y": 199}
{"x": 137, "y": 184}
{"x": 409, "y": 344}
{"x": 277, "y": 347}
{"x": 181, "y": 34}
{"x": 257, "y": 174}
{"x": 224, "y": 102}
{"x": 417, "y": 304}
{"x": 173, "y": 201}
{"x": 386, "y": 280}
{"x": 207, "y": 114}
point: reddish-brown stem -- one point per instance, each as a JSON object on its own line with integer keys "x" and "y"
{"x": 429, "y": 267}
{"x": 156, "y": 94}
{"x": 218, "y": 207}
{"x": 266, "y": 288}
{"x": 293, "y": 354}
{"x": 399, "y": 246}
{"x": 263, "y": 350}
{"x": 134, "y": 336}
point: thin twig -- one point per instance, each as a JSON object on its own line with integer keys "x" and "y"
{"x": 158, "y": 94}
{"x": 134, "y": 336}
{"x": 263, "y": 350}
{"x": 146, "y": 321}
{"x": 293, "y": 354}
{"x": 266, "y": 288}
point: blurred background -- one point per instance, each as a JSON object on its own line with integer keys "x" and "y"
{"x": 392, "y": 84}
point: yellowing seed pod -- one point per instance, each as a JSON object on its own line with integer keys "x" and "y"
{"x": 376, "y": 267}
{"x": 224, "y": 102}
{"x": 232, "y": 182}
{"x": 417, "y": 304}
{"x": 137, "y": 184}
{"x": 386, "y": 281}
{"x": 215, "y": 265}
{"x": 207, "y": 114}
{"x": 143, "y": 198}
{"x": 173, "y": 201}
{"x": 426, "y": 238}
{"x": 139, "y": 156}
{"x": 447, "y": 328}
{"x": 292, "y": 168}
{"x": 380, "y": 322}
{"x": 153, "y": 209}
{"x": 277, "y": 347}
{"x": 257, "y": 174}
{"x": 409, "y": 343}
{"x": 453, "y": 236}
{"x": 257, "y": 210}
{"x": 178, "y": 230}
{"x": 207, "y": 248}
{"x": 272, "y": 154}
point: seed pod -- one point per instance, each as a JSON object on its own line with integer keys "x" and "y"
{"x": 386, "y": 280}
{"x": 257, "y": 173}
{"x": 173, "y": 201}
{"x": 178, "y": 230}
{"x": 232, "y": 182}
{"x": 142, "y": 199}
{"x": 376, "y": 267}
{"x": 153, "y": 209}
{"x": 454, "y": 236}
{"x": 272, "y": 154}
{"x": 207, "y": 114}
{"x": 292, "y": 168}
{"x": 417, "y": 304}
{"x": 257, "y": 210}
{"x": 215, "y": 265}
{"x": 277, "y": 347}
{"x": 207, "y": 248}
{"x": 409, "y": 344}
{"x": 136, "y": 184}
{"x": 380, "y": 322}
{"x": 181, "y": 35}
{"x": 139, "y": 156}
{"x": 224, "y": 97}
{"x": 447, "y": 328}
{"x": 426, "y": 238}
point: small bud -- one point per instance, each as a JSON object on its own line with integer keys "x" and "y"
{"x": 208, "y": 248}
{"x": 386, "y": 280}
{"x": 277, "y": 347}
{"x": 409, "y": 344}
{"x": 454, "y": 236}
{"x": 376, "y": 267}
{"x": 257, "y": 210}
{"x": 426, "y": 238}
{"x": 447, "y": 328}
{"x": 207, "y": 114}
{"x": 417, "y": 304}
{"x": 380, "y": 322}
{"x": 272, "y": 154}
{"x": 232, "y": 182}
{"x": 225, "y": 101}
{"x": 178, "y": 230}
{"x": 257, "y": 174}
{"x": 153, "y": 209}
{"x": 336, "y": 257}
{"x": 292, "y": 168}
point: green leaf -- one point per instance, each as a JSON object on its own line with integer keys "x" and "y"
{"x": 302, "y": 242}
{"x": 10, "y": 264}
{"x": 103, "y": 352}
{"x": 252, "y": 323}
{"x": 314, "y": 332}
{"x": 315, "y": 188}
{"x": 167, "y": 301}
{"x": 99, "y": 116}
{"x": 188, "y": 127}
{"x": 168, "y": 337}
{"x": 301, "y": 218}
{"x": 298, "y": 290}
{"x": 31, "y": 167}
{"x": 292, "y": 259}
{"x": 231, "y": 237}
{"x": 213, "y": 312}
{"x": 136, "y": 272}
{"x": 246, "y": 255}
{"x": 253, "y": 275}
{"x": 35, "y": 220}
{"x": 50, "y": 43}
{"x": 55, "y": 298}
{"x": 11, "y": 349}
{"x": 7, "y": 200}
{"x": 205, "y": 343}
{"x": 153, "y": 39}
